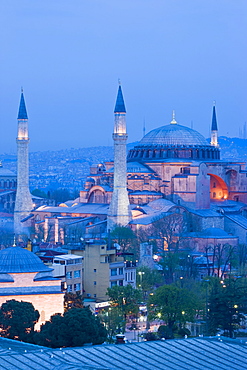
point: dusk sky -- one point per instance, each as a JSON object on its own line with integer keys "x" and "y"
{"x": 168, "y": 54}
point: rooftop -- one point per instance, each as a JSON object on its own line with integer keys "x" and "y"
{"x": 191, "y": 354}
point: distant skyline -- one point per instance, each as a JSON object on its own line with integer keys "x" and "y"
{"x": 69, "y": 55}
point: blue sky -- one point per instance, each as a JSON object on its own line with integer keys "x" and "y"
{"x": 169, "y": 54}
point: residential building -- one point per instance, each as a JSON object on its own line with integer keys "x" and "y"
{"x": 69, "y": 268}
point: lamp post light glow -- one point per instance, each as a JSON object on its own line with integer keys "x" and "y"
{"x": 141, "y": 273}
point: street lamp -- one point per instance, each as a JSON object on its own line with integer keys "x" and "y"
{"x": 140, "y": 273}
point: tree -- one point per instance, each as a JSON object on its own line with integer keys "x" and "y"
{"x": 241, "y": 255}
{"x": 222, "y": 255}
{"x": 17, "y": 320}
{"x": 168, "y": 230}
{"x": 73, "y": 300}
{"x": 61, "y": 195}
{"x": 39, "y": 193}
{"x": 147, "y": 279}
{"x": 125, "y": 237}
{"x": 75, "y": 328}
{"x": 126, "y": 299}
{"x": 113, "y": 321}
{"x": 173, "y": 305}
{"x": 226, "y": 305}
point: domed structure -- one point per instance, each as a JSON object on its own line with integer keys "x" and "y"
{"x": 173, "y": 134}
{"x": 173, "y": 141}
{"x": 20, "y": 260}
{"x": 24, "y": 277}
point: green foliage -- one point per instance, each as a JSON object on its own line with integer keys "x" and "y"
{"x": 150, "y": 336}
{"x": 61, "y": 195}
{"x": 73, "y": 300}
{"x": 75, "y": 328}
{"x": 125, "y": 237}
{"x": 113, "y": 321}
{"x": 226, "y": 304}
{"x": 173, "y": 305}
{"x": 17, "y": 320}
{"x": 183, "y": 331}
{"x": 39, "y": 193}
{"x": 126, "y": 299}
{"x": 147, "y": 279}
{"x": 170, "y": 264}
{"x": 165, "y": 332}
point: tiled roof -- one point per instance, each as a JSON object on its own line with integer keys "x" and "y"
{"x": 238, "y": 219}
{"x": 191, "y": 354}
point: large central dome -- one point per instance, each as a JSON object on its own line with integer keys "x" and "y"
{"x": 173, "y": 141}
{"x": 173, "y": 134}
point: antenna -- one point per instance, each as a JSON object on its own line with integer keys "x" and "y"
{"x": 144, "y": 127}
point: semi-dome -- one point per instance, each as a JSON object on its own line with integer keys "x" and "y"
{"x": 173, "y": 134}
{"x": 17, "y": 260}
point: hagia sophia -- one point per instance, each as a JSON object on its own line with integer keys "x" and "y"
{"x": 173, "y": 169}
{"x": 172, "y": 172}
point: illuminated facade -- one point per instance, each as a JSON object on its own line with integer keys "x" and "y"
{"x": 176, "y": 163}
{"x": 24, "y": 277}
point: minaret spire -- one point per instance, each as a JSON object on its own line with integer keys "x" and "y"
{"x": 119, "y": 211}
{"x": 120, "y": 106}
{"x": 23, "y": 201}
{"x": 22, "y": 114}
{"x": 214, "y": 128}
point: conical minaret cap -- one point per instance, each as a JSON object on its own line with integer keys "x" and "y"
{"x": 22, "y": 114}
{"x": 214, "y": 120}
{"x": 120, "y": 106}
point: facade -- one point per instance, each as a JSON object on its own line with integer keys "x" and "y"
{"x": 24, "y": 277}
{"x": 123, "y": 273}
{"x": 103, "y": 267}
{"x": 69, "y": 268}
{"x": 8, "y": 184}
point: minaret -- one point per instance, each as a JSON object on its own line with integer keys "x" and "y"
{"x": 23, "y": 201}
{"x": 119, "y": 211}
{"x": 214, "y": 129}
